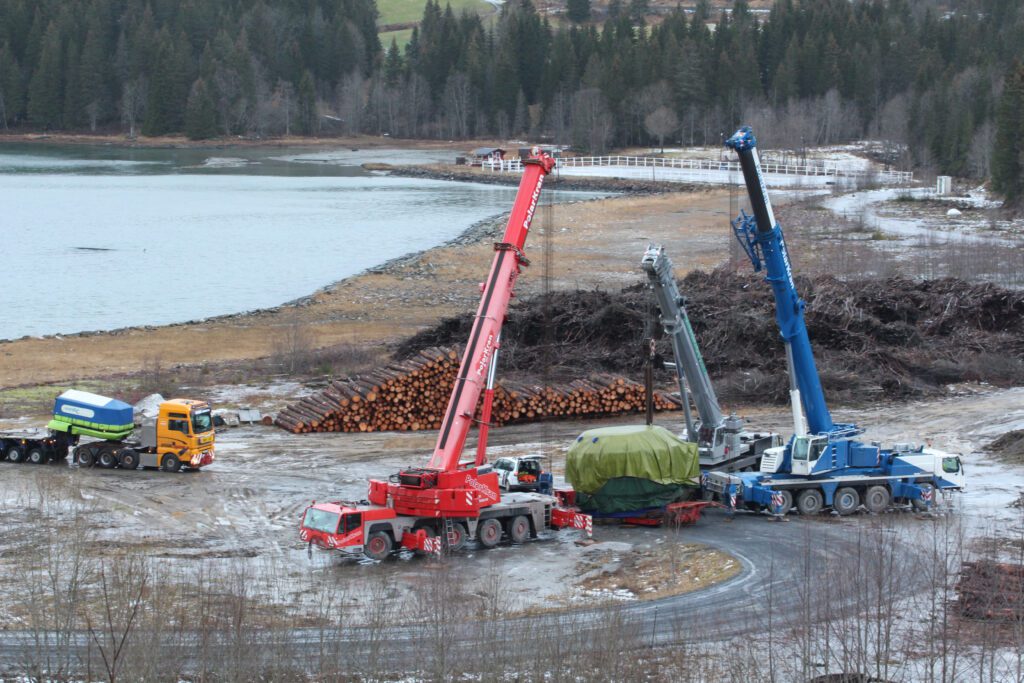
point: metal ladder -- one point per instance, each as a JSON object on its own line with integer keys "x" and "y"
{"x": 449, "y": 537}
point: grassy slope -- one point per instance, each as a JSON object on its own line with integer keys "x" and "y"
{"x": 402, "y": 11}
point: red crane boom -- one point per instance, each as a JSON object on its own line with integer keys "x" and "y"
{"x": 441, "y": 489}
{"x": 483, "y": 340}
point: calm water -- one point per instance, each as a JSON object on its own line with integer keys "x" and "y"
{"x": 101, "y": 238}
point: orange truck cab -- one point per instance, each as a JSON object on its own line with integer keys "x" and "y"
{"x": 181, "y": 436}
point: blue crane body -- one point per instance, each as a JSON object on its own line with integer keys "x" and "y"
{"x": 823, "y": 464}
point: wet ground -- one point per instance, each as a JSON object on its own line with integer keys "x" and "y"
{"x": 241, "y": 513}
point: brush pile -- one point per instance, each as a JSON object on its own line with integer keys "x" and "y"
{"x": 992, "y": 591}
{"x": 892, "y": 338}
{"x": 413, "y": 394}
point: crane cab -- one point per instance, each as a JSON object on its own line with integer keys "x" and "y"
{"x": 806, "y": 451}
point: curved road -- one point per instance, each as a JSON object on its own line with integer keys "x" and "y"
{"x": 787, "y": 568}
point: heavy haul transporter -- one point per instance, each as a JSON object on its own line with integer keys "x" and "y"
{"x": 823, "y": 465}
{"x": 723, "y": 444}
{"x": 180, "y": 436}
{"x": 443, "y": 504}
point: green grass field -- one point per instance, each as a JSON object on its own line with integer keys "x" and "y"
{"x": 401, "y": 38}
{"x": 403, "y": 11}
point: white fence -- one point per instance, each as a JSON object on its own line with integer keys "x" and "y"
{"x": 709, "y": 171}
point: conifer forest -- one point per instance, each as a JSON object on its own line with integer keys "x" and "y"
{"x": 941, "y": 81}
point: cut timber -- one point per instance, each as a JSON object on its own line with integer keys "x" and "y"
{"x": 412, "y": 395}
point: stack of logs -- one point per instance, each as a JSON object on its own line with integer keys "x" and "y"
{"x": 991, "y": 591}
{"x": 413, "y": 394}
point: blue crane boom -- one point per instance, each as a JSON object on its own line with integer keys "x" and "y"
{"x": 765, "y": 244}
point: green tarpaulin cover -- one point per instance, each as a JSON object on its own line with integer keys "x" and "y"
{"x": 619, "y": 469}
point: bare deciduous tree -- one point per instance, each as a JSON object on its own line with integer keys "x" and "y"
{"x": 660, "y": 123}
{"x": 591, "y": 121}
{"x": 457, "y": 102}
{"x": 133, "y": 103}
{"x": 352, "y": 102}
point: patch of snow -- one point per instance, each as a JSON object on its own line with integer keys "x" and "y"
{"x": 226, "y": 162}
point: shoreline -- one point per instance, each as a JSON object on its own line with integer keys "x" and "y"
{"x": 394, "y": 299}
{"x": 473, "y": 234}
{"x": 475, "y": 174}
{"x": 121, "y": 140}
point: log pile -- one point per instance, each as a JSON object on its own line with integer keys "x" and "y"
{"x": 412, "y": 395}
{"x": 993, "y": 591}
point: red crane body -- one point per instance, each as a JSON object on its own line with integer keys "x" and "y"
{"x": 442, "y": 489}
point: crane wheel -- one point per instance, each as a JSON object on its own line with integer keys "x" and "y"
{"x": 519, "y": 529}
{"x": 489, "y": 533}
{"x": 36, "y": 456}
{"x": 876, "y": 499}
{"x": 918, "y": 504}
{"x": 846, "y": 501}
{"x": 787, "y": 504}
{"x": 170, "y": 463}
{"x": 378, "y": 546}
{"x": 460, "y": 534}
{"x": 809, "y": 502}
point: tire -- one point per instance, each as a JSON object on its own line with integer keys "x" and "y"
{"x": 918, "y": 504}
{"x": 489, "y": 533}
{"x": 876, "y": 499}
{"x": 15, "y": 453}
{"x": 36, "y": 456}
{"x": 846, "y": 501}
{"x": 519, "y": 529}
{"x": 107, "y": 458}
{"x": 170, "y": 463}
{"x": 86, "y": 456}
{"x": 787, "y": 504}
{"x": 809, "y": 502}
{"x": 378, "y": 546}
{"x": 129, "y": 459}
{"x": 461, "y": 536}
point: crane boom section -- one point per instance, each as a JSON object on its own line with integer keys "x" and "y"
{"x": 676, "y": 323}
{"x": 483, "y": 340}
{"x": 766, "y": 247}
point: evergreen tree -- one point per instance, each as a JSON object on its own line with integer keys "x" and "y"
{"x": 74, "y": 107}
{"x": 393, "y": 65}
{"x": 200, "y": 113}
{"x": 12, "y": 91}
{"x": 308, "y": 116}
{"x": 578, "y": 11}
{"x": 46, "y": 91}
{"x": 1008, "y": 155}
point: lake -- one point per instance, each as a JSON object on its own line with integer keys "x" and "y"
{"x": 98, "y": 238}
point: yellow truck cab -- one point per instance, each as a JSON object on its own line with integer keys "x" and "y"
{"x": 182, "y": 435}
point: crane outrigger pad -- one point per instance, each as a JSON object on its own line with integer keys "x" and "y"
{"x": 631, "y": 467}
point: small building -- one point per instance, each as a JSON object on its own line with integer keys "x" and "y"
{"x": 483, "y": 155}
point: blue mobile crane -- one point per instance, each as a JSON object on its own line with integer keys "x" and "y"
{"x": 823, "y": 465}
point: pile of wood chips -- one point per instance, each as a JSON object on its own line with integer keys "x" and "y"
{"x": 413, "y": 394}
{"x": 992, "y": 591}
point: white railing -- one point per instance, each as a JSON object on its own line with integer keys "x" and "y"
{"x": 805, "y": 170}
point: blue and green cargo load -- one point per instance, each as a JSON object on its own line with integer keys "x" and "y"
{"x": 81, "y": 412}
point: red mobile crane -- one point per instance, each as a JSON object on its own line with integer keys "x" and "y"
{"x": 445, "y": 503}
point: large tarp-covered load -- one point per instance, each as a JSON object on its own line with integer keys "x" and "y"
{"x": 92, "y": 415}
{"x": 630, "y": 468}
